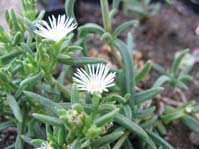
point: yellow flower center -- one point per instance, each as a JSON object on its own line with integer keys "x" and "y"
{"x": 95, "y": 86}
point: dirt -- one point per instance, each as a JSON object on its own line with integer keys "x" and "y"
{"x": 158, "y": 39}
{"x": 7, "y": 137}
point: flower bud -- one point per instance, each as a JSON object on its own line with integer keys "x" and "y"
{"x": 93, "y": 132}
{"x": 188, "y": 109}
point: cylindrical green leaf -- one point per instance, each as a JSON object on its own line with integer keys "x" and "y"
{"x": 15, "y": 107}
{"x": 129, "y": 69}
{"x": 130, "y": 125}
{"x": 124, "y": 26}
{"x": 37, "y": 142}
{"x": 195, "y": 109}
{"x": 76, "y": 144}
{"x": 90, "y": 28}
{"x": 149, "y": 123}
{"x": 116, "y": 3}
{"x": 19, "y": 143}
{"x": 161, "y": 128}
{"x": 160, "y": 69}
{"x": 127, "y": 111}
{"x": 69, "y": 8}
{"x": 74, "y": 94}
{"x": 157, "y": 139}
{"x": 190, "y": 122}
{"x": 105, "y": 15}
{"x": 106, "y": 118}
{"x": 107, "y": 139}
{"x": 31, "y": 79}
{"x": 79, "y": 61}
{"x": 177, "y": 61}
{"x": 144, "y": 71}
{"x": 147, "y": 94}
{"x": 173, "y": 116}
{"x": 106, "y": 108}
{"x": 61, "y": 136}
{"x": 48, "y": 119}
{"x": 161, "y": 80}
{"x": 5, "y": 125}
{"x": 14, "y": 20}
{"x": 17, "y": 38}
{"x": 26, "y": 139}
{"x": 49, "y": 104}
{"x": 10, "y": 56}
{"x": 144, "y": 113}
{"x": 114, "y": 97}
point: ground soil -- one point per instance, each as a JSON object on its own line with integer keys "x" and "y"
{"x": 171, "y": 30}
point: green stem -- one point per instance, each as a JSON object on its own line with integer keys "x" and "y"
{"x": 63, "y": 89}
{"x": 53, "y": 82}
{"x": 16, "y": 69}
{"x": 96, "y": 101}
{"x": 56, "y": 47}
{"x": 108, "y": 28}
{"x": 30, "y": 38}
{"x": 115, "y": 55}
{"x": 105, "y": 15}
{"x": 20, "y": 142}
{"x": 20, "y": 131}
{"x": 10, "y": 56}
{"x": 125, "y": 7}
{"x": 144, "y": 6}
{"x": 145, "y": 9}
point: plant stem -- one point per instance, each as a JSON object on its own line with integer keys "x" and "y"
{"x": 19, "y": 141}
{"x": 30, "y": 38}
{"x": 53, "y": 82}
{"x": 20, "y": 131}
{"x": 63, "y": 89}
{"x": 96, "y": 101}
{"x": 125, "y": 7}
{"x": 144, "y": 6}
{"x": 105, "y": 15}
{"x": 115, "y": 55}
{"x": 144, "y": 14}
{"x": 107, "y": 26}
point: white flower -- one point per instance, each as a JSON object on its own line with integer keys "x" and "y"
{"x": 188, "y": 109}
{"x": 56, "y": 29}
{"x": 98, "y": 78}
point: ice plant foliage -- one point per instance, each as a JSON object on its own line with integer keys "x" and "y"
{"x": 97, "y": 79}
{"x": 73, "y": 120}
{"x": 57, "y": 29}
